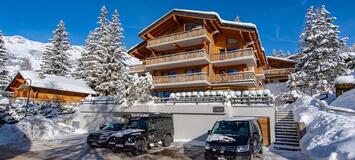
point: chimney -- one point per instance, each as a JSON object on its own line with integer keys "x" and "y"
{"x": 237, "y": 19}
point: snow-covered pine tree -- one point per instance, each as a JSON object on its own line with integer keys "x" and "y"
{"x": 113, "y": 76}
{"x": 4, "y": 78}
{"x": 320, "y": 46}
{"x": 56, "y": 57}
{"x": 139, "y": 89}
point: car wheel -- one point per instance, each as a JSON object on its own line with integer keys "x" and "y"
{"x": 140, "y": 148}
{"x": 167, "y": 140}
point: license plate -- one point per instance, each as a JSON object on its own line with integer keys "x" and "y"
{"x": 221, "y": 158}
{"x": 119, "y": 145}
{"x": 111, "y": 142}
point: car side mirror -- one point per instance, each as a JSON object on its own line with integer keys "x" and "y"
{"x": 209, "y": 132}
{"x": 101, "y": 126}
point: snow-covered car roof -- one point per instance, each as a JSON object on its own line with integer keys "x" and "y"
{"x": 57, "y": 82}
{"x": 238, "y": 119}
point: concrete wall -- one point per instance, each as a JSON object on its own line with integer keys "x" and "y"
{"x": 191, "y": 121}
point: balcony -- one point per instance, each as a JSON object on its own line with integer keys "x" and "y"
{"x": 274, "y": 73}
{"x": 237, "y": 57}
{"x": 181, "y": 80}
{"x": 236, "y": 79}
{"x": 140, "y": 68}
{"x": 197, "y": 57}
{"x": 179, "y": 40}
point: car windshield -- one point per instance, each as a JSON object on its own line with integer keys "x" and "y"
{"x": 113, "y": 127}
{"x": 237, "y": 128}
{"x": 138, "y": 124}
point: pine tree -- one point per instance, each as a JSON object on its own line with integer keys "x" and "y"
{"x": 4, "y": 78}
{"x": 320, "y": 46}
{"x": 56, "y": 57}
{"x": 114, "y": 76}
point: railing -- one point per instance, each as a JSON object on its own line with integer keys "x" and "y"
{"x": 176, "y": 36}
{"x": 176, "y": 57}
{"x": 232, "y": 54}
{"x": 135, "y": 68}
{"x": 247, "y": 101}
{"x": 239, "y": 76}
{"x": 278, "y": 72}
{"x": 180, "y": 78}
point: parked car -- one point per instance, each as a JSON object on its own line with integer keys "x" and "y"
{"x": 143, "y": 132}
{"x": 100, "y": 138}
{"x": 234, "y": 138}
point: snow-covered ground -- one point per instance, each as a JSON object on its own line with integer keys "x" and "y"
{"x": 346, "y": 100}
{"x": 35, "y": 128}
{"x": 329, "y": 135}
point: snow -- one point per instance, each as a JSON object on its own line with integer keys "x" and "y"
{"x": 57, "y": 82}
{"x": 35, "y": 128}
{"x": 282, "y": 59}
{"x": 329, "y": 135}
{"x": 21, "y": 47}
{"x": 346, "y": 100}
{"x": 350, "y": 79}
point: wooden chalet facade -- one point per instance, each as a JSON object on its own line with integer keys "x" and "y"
{"x": 188, "y": 50}
{"x": 279, "y": 69}
{"x": 48, "y": 88}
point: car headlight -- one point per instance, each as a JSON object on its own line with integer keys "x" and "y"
{"x": 131, "y": 139}
{"x": 244, "y": 148}
{"x": 207, "y": 146}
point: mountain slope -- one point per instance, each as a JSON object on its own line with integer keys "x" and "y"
{"x": 26, "y": 54}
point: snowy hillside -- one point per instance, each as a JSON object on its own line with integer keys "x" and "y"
{"x": 26, "y": 54}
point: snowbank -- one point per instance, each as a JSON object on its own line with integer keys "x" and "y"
{"x": 346, "y": 100}
{"x": 329, "y": 135}
{"x": 35, "y": 128}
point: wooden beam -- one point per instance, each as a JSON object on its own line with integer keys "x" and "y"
{"x": 20, "y": 81}
{"x": 254, "y": 46}
{"x": 176, "y": 45}
{"x": 243, "y": 39}
{"x": 176, "y": 20}
{"x": 150, "y": 36}
{"x": 153, "y": 52}
{"x": 213, "y": 25}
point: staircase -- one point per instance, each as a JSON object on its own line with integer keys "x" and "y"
{"x": 286, "y": 132}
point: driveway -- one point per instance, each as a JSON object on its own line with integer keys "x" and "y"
{"x": 75, "y": 147}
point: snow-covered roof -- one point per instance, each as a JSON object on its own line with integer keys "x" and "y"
{"x": 345, "y": 79}
{"x": 240, "y": 24}
{"x": 282, "y": 59}
{"x": 57, "y": 82}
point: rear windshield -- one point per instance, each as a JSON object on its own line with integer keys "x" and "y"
{"x": 113, "y": 126}
{"x": 236, "y": 128}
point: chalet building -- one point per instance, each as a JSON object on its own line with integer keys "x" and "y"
{"x": 188, "y": 50}
{"x": 344, "y": 83}
{"x": 279, "y": 69}
{"x": 48, "y": 87}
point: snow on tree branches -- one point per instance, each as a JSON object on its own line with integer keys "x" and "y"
{"x": 56, "y": 58}
{"x": 320, "y": 46}
{"x": 4, "y": 78}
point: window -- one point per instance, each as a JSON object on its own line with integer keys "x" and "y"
{"x": 231, "y": 49}
{"x": 191, "y": 26}
{"x": 171, "y": 73}
{"x": 231, "y": 41}
{"x": 232, "y": 71}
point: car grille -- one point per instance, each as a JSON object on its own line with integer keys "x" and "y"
{"x": 93, "y": 136}
{"x": 224, "y": 148}
{"x": 118, "y": 140}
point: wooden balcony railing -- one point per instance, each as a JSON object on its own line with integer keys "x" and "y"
{"x": 180, "y": 78}
{"x": 232, "y": 54}
{"x": 177, "y": 57}
{"x": 239, "y": 76}
{"x": 137, "y": 68}
{"x": 278, "y": 72}
{"x": 177, "y": 36}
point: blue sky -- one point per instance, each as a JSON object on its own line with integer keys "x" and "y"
{"x": 279, "y": 21}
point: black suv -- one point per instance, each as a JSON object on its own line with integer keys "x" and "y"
{"x": 234, "y": 138}
{"x": 100, "y": 138}
{"x": 143, "y": 132}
